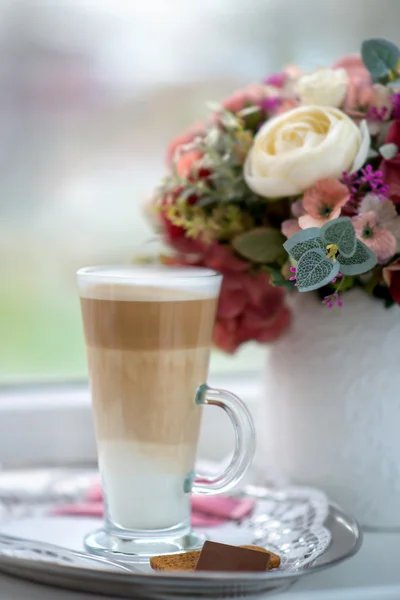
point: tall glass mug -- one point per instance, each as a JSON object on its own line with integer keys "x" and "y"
{"x": 148, "y": 332}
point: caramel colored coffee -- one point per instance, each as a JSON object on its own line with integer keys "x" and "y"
{"x": 146, "y": 360}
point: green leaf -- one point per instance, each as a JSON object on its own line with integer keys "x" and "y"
{"x": 341, "y": 233}
{"x": 380, "y": 57}
{"x": 261, "y": 245}
{"x": 314, "y": 270}
{"x": 252, "y": 117}
{"x": 302, "y": 241}
{"x": 277, "y": 279}
{"x": 362, "y": 261}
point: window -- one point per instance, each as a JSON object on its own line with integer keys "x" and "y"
{"x": 91, "y": 92}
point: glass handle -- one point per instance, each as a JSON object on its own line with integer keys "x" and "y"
{"x": 245, "y": 441}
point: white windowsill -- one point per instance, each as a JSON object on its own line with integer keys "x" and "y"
{"x": 53, "y": 425}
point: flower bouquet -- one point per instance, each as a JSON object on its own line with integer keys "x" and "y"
{"x": 291, "y": 184}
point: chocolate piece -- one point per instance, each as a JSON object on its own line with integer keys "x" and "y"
{"x": 221, "y": 557}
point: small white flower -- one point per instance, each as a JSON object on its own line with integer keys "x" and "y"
{"x": 325, "y": 87}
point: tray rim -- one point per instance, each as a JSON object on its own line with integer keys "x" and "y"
{"x": 8, "y": 564}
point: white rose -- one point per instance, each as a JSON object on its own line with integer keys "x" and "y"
{"x": 293, "y": 150}
{"x": 325, "y": 87}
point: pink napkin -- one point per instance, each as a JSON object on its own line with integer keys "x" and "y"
{"x": 207, "y": 511}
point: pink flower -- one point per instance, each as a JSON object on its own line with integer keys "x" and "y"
{"x": 386, "y": 220}
{"x": 381, "y": 241}
{"x": 250, "y": 308}
{"x": 222, "y": 259}
{"x": 184, "y": 138}
{"x": 360, "y": 91}
{"x": 323, "y": 202}
{"x": 293, "y": 71}
{"x": 277, "y": 79}
{"x": 287, "y": 105}
{"x": 252, "y": 94}
{"x": 290, "y": 227}
{"x": 297, "y": 208}
{"x": 186, "y": 162}
{"x": 385, "y": 213}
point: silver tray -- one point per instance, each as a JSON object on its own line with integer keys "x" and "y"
{"x": 25, "y": 550}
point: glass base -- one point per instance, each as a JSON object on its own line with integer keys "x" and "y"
{"x": 122, "y": 548}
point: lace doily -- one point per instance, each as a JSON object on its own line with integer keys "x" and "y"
{"x": 288, "y": 521}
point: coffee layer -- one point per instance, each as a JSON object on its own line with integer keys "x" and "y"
{"x": 147, "y": 396}
{"x": 134, "y": 325}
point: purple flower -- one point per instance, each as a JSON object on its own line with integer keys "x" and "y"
{"x": 270, "y": 104}
{"x": 333, "y": 299}
{"x": 376, "y": 113}
{"x": 359, "y": 184}
{"x": 277, "y": 80}
{"x": 375, "y": 180}
{"x": 352, "y": 182}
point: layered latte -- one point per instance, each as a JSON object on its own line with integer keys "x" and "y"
{"x": 148, "y": 346}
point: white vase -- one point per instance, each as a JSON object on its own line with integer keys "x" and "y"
{"x": 333, "y": 404}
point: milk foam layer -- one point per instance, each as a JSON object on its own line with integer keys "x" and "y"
{"x": 142, "y": 492}
{"x": 149, "y": 283}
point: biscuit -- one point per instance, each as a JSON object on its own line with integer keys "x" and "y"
{"x": 186, "y": 561}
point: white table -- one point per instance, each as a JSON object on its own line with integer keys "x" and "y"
{"x": 374, "y": 574}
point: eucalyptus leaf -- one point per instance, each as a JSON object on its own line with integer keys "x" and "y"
{"x": 340, "y": 232}
{"x": 213, "y": 137}
{"x": 249, "y": 110}
{"x": 229, "y": 120}
{"x": 372, "y": 153}
{"x": 380, "y": 57}
{"x": 360, "y": 262}
{"x": 260, "y": 245}
{"x": 205, "y": 201}
{"x": 302, "y": 241}
{"x": 388, "y": 151}
{"x": 393, "y": 84}
{"x": 314, "y": 270}
{"x": 188, "y": 191}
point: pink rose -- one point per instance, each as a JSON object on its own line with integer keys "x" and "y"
{"x": 250, "y": 308}
{"x": 184, "y": 138}
{"x": 186, "y": 162}
{"x": 252, "y": 94}
{"x": 360, "y": 92}
{"x": 222, "y": 259}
